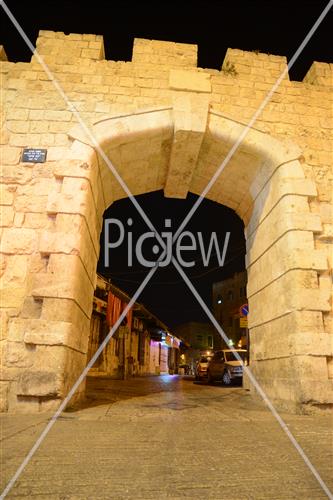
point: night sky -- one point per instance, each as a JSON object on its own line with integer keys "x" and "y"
{"x": 275, "y": 27}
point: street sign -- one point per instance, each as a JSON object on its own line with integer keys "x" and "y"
{"x": 32, "y": 155}
{"x": 243, "y": 322}
{"x": 244, "y": 310}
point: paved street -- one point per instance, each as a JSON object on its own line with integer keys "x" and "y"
{"x": 167, "y": 437}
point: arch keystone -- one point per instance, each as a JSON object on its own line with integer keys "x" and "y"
{"x": 190, "y": 121}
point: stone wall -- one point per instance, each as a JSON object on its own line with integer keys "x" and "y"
{"x": 165, "y": 124}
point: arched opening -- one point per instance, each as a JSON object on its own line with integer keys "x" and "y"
{"x": 212, "y": 249}
{"x": 263, "y": 183}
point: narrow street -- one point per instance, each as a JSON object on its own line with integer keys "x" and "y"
{"x": 167, "y": 437}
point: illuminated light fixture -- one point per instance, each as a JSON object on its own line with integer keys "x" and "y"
{"x": 219, "y": 300}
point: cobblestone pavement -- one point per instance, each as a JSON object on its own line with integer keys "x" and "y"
{"x": 167, "y": 437}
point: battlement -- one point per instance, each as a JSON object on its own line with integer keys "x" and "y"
{"x": 65, "y": 48}
{"x": 160, "y": 52}
{"x": 3, "y": 55}
{"x": 81, "y": 49}
{"x": 320, "y": 74}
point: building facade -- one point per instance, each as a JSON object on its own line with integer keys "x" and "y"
{"x": 228, "y": 296}
{"x": 141, "y": 346}
{"x": 198, "y": 338}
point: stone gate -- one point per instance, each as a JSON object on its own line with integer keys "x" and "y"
{"x": 165, "y": 124}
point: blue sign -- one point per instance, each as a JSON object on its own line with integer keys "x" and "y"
{"x": 244, "y": 310}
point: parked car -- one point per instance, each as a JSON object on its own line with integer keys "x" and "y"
{"x": 226, "y": 367}
{"x": 201, "y": 367}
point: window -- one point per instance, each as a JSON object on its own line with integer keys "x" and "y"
{"x": 230, "y": 295}
{"x": 210, "y": 341}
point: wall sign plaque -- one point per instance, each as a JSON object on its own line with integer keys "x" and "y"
{"x": 31, "y": 155}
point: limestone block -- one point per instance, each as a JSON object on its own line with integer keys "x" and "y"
{"x": 17, "y": 354}
{"x": 277, "y": 224}
{"x": 3, "y": 263}
{"x": 72, "y": 185}
{"x": 32, "y": 308}
{"x": 74, "y": 367}
{"x": 15, "y": 175}
{"x": 20, "y": 404}
{"x": 74, "y": 243}
{"x": 3, "y": 324}
{"x": 31, "y": 203}
{"x": 6, "y": 216}
{"x": 296, "y": 290}
{"x": 65, "y": 310}
{"x": 41, "y": 383}
{"x": 314, "y": 344}
{"x": 316, "y": 392}
{"x": 6, "y": 196}
{"x": 191, "y": 81}
{"x": 77, "y": 224}
{"x": 267, "y": 343}
{"x": 60, "y": 242}
{"x": 275, "y": 167}
{"x": 190, "y": 114}
{"x": 76, "y": 203}
{"x": 272, "y": 194}
{"x": 13, "y": 281}
{"x": 36, "y": 220}
{"x": 16, "y": 270}
{"x": 10, "y": 155}
{"x": 277, "y": 378}
{"x": 327, "y": 233}
{"x": 13, "y": 297}
{"x": 4, "y": 389}
{"x": 66, "y": 278}
{"x": 80, "y": 169}
{"x": 138, "y": 126}
{"x": 19, "y": 241}
{"x": 16, "y": 329}
{"x": 4, "y": 135}
{"x": 326, "y": 212}
{"x": 40, "y": 186}
{"x": 46, "y": 332}
{"x": 279, "y": 259}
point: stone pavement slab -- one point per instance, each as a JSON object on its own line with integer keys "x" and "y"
{"x": 167, "y": 437}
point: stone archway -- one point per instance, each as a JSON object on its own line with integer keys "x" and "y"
{"x": 164, "y": 149}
